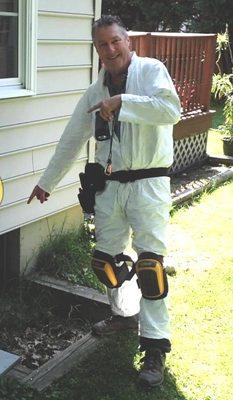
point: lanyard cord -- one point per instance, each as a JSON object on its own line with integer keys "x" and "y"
{"x": 108, "y": 169}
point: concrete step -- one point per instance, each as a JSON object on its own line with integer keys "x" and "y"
{"x": 7, "y": 361}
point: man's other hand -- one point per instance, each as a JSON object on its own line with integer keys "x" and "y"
{"x": 107, "y": 107}
{"x": 39, "y": 193}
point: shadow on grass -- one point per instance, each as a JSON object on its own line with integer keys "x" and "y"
{"x": 12, "y": 390}
{"x": 109, "y": 374}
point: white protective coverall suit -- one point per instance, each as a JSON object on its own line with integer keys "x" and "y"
{"x": 150, "y": 107}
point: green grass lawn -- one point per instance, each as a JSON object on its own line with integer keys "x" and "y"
{"x": 202, "y": 298}
{"x": 214, "y": 143}
{"x": 218, "y": 118}
{"x": 201, "y": 303}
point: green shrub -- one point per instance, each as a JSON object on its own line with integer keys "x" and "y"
{"x": 67, "y": 255}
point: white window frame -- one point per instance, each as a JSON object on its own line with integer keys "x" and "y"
{"x": 25, "y": 83}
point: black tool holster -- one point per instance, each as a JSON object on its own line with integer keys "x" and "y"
{"x": 92, "y": 180}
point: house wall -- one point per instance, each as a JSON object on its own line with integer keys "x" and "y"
{"x": 33, "y": 235}
{"x": 30, "y": 127}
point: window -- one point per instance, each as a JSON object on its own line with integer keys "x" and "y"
{"x": 9, "y": 21}
{"x": 17, "y": 47}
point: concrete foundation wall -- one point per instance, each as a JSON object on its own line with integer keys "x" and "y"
{"x": 32, "y": 235}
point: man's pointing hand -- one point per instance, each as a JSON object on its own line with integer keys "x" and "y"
{"x": 107, "y": 107}
{"x": 39, "y": 193}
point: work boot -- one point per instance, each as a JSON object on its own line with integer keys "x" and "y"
{"x": 115, "y": 324}
{"x": 152, "y": 372}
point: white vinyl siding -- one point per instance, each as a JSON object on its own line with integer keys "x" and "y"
{"x": 27, "y": 161}
{"x": 63, "y": 53}
{"x": 63, "y": 27}
{"x": 15, "y": 216}
{"x": 70, "y": 6}
{"x": 30, "y": 127}
{"x": 16, "y": 189}
{"x": 37, "y": 108}
{"x": 61, "y": 79}
{"x": 31, "y": 135}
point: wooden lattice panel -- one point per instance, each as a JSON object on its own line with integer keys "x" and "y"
{"x": 189, "y": 151}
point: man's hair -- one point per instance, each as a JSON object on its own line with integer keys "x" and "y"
{"x": 107, "y": 20}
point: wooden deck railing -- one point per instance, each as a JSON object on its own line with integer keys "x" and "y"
{"x": 190, "y": 60}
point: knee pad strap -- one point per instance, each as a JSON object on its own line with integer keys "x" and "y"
{"x": 107, "y": 271}
{"x": 152, "y": 277}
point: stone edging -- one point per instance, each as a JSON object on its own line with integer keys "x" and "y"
{"x": 70, "y": 288}
{"x": 61, "y": 363}
{"x": 214, "y": 181}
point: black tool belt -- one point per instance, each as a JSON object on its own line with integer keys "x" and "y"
{"x": 133, "y": 175}
{"x": 94, "y": 180}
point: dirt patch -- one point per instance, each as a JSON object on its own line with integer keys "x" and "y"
{"x": 36, "y": 328}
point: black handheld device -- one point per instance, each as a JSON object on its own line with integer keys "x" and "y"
{"x": 102, "y": 131}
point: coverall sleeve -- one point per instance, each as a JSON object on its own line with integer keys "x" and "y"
{"x": 159, "y": 106}
{"x": 75, "y": 135}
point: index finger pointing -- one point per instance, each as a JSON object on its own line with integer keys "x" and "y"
{"x": 95, "y": 107}
{"x": 31, "y": 197}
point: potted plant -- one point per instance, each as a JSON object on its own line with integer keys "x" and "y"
{"x": 222, "y": 88}
{"x": 227, "y": 139}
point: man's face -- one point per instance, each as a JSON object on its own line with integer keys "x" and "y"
{"x": 112, "y": 46}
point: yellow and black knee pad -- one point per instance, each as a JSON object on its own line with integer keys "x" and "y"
{"x": 111, "y": 271}
{"x": 152, "y": 277}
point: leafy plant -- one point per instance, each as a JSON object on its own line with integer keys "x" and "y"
{"x": 67, "y": 255}
{"x": 222, "y": 87}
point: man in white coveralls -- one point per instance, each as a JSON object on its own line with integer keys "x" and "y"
{"x": 138, "y": 95}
